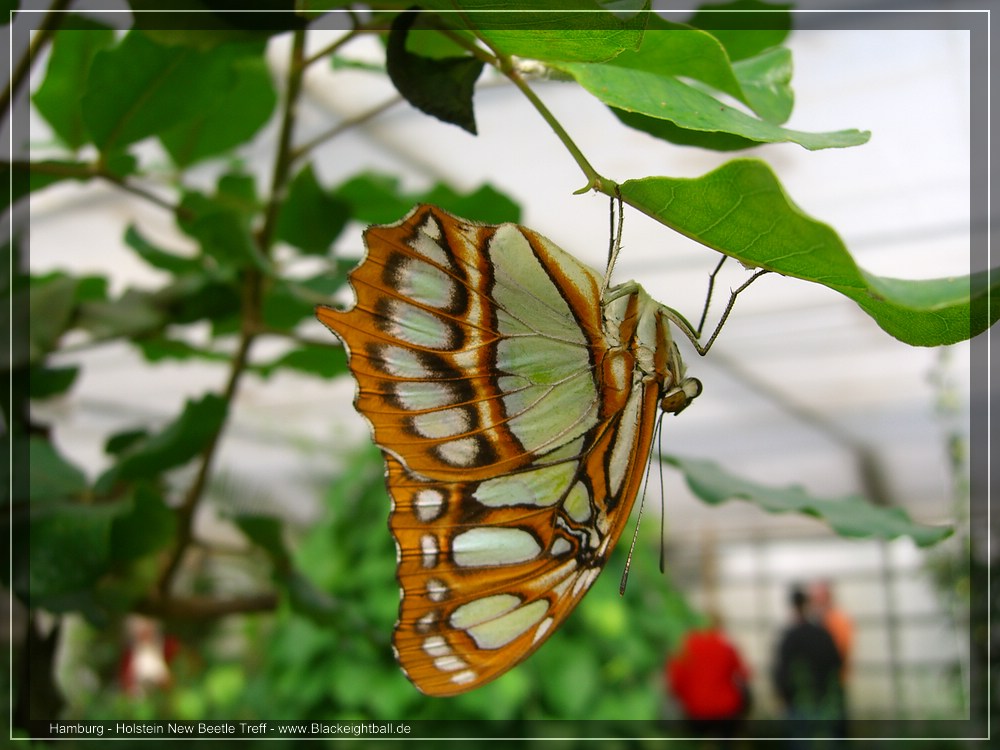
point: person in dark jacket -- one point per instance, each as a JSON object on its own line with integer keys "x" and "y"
{"x": 806, "y": 674}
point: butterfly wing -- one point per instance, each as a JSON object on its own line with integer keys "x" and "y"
{"x": 514, "y": 434}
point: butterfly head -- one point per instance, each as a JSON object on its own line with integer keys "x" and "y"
{"x": 677, "y": 399}
{"x": 682, "y": 390}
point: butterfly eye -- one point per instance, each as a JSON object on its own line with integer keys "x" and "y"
{"x": 513, "y": 459}
{"x": 677, "y": 400}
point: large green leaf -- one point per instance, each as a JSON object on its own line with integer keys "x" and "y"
{"x": 550, "y": 31}
{"x": 140, "y": 88}
{"x": 850, "y": 516}
{"x": 70, "y": 548}
{"x": 741, "y": 210}
{"x": 222, "y": 223}
{"x": 147, "y": 526}
{"x": 311, "y": 218}
{"x": 50, "y": 476}
{"x": 58, "y": 97}
{"x": 237, "y": 114}
{"x": 440, "y": 87}
{"x": 173, "y": 446}
{"x": 667, "y": 98}
{"x": 745, "y": 27}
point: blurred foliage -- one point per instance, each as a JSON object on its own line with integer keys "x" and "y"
{"x": 312, "y": 640}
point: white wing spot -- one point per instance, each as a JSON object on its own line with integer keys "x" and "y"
{"x": 429, "y": 548}
{"x": 419, "y": 327}
{"x": 480, "y": 610}
{"x": 436, "y": 590}
{"x": 461, "y": 452}
{"x": 463, "y": 678}
{"x": 500, "y": 631}
{"x": 401, "y": 363}
{"x": 426, "y": 623}
{"x": 428, "y": 504}
{"x": 442, "y": 423}
{"x": 542, "y": 629}
{"x": 450, "y": 663}
{"x": 436, "y": 646}
{"x": 585, "y": 579}
{"x": 418, "y": 395}
{"x": 560, "y": 547}
{"x": 493, "y": 546}
{"x": 425, "y": 283}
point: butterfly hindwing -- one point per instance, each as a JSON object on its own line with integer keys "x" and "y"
{"x": 515, "y": 409}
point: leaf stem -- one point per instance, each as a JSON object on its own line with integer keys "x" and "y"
{"x": 504, "y": 63}
{"x": 594, "y": 180}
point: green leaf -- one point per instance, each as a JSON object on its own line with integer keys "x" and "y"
{"x": 741, "y": 210}
{"x": 158, "y": 257}
{"x": 586, "y": 32}
{"x": 441, "y": 88}
{"x": 485, "y": 204}
{"x": 50, "y": 476}
{"x": 766, "y": 83}
{"x": 850, "y": 516}
{"x": 158, "y": 349}
{"x": 668, "y": 131}
{"x": 121, "y": 441}
{"x": 324, "y": 361}
{"x": 211, "y": 23}
{"x": 206, "y": 295}
{"x": 266, "y": 533}
{"x": 224, "y": 232}
{"x": 147, "y": 526}
{"x": 139, "y": 88}
{"x": 379, "y": 199}
{"x": 311, "y": 218}
{"x": 51, "y": 305}
{"x": 134, "y": 313}
{"x": 58, "y": 97}
{"x": 375, "y": 198}
{"x": 173, "y": 446}
{"x": 667, "y": 98}
{"x": 749, "y": 28}
{"x": 237, "y": 115}
{"x": 69, "y": 550}
{"x": 45, "y": 382}
{"x": 671, "y": 50}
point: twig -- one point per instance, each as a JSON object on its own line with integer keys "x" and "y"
{"x": 205, "y": 607}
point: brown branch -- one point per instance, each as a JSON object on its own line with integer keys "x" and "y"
{"x": 250, "y": 315}
{"x": 204, "y": 607}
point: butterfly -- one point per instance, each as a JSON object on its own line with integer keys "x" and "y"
{"x": 514, "y": 396}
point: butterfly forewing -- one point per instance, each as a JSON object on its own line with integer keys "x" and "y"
{"x": 515, "y": 413}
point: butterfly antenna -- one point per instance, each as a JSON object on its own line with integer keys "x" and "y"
{"x": 635, "y": 534}
{"x": 614, "y": 238}
{"x": 663, "y": 490}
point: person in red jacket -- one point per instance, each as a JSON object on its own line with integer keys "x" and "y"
{"x": 710, "y": 680}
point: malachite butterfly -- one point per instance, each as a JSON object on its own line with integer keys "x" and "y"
{"x": 515, "y": 405}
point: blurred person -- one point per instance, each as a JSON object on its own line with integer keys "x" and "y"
{"x": 710, "y": 681}
{"x": 806, "y": 674}
{"x": 837, "y": 624}
{"x": 840, "y": 628}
